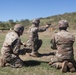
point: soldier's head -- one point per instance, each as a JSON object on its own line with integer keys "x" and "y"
{"x": 63, "y": 24}
{"x": 36, "y": 22}
{"x": 19, "y": 28}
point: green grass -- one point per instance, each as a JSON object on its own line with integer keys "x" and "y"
{"x": 35, "y": 66}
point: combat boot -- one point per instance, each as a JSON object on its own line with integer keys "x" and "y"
{"x": 50, "y": 63}
{"x": 64, "y": 66}
{"x": 58, "y": 65}
{"x": 16, "y": 66}
{"x": 71, "y": 67}
{"x": 7, "y": 64}
{"x": 2, "y": 62}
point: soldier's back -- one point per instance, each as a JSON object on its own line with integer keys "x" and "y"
{"x": 65, "y": 34}
{"x": 10, "y": 37}
{"x": 64, "y": 41}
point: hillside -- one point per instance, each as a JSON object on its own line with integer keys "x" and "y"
{"x": 70, "y": 17}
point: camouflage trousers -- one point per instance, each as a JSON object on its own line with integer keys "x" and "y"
{"x": 55, "y": 60}
{"x": 37, "y": 45}
{"x": 13, "y": 59}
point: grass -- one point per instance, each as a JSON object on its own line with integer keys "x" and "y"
{"x": 35, "y": 66}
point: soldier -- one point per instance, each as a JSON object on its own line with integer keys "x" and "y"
{"x": 62, "y": 42}
{"x": 11, "y": 48}
{"x": 34, "y": 42}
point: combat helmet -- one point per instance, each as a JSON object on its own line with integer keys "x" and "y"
{"x": 18, "y": 27}
{"x": 63, "y": 24}
{"x": 36, "y": 21}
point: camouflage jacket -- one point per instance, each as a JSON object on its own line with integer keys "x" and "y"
{"x": 63, "y": 42}
{"x": 11, "y": 44}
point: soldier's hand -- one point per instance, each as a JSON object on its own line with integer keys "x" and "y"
{"x": 24, "y": 44}
{"x": 47, "y": 26}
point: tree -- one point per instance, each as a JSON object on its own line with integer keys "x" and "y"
{"x": 11, "y": 23}
{"x": 25, "y": 22}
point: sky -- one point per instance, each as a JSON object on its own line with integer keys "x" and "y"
{"x": 31, "y": 9}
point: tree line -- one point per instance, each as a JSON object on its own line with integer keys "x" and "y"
{"x": 70, "y": 17}
{"x": 10, "y": 24}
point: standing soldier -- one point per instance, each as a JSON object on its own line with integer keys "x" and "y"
{"x": 62, "y": 42}
{"x": 11, "y": 48}
{"x": 34, "y": 42}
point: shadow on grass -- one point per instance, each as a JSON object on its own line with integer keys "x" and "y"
{"x": 46, "y": 54}
{"x": 33, "y": 63}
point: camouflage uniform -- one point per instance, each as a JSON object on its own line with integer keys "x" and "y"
{"x": 11, "y": 49}
{"x": 62, "y": 42}
{"x": 34, "y": 42}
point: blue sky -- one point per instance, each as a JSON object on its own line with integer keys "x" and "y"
{"x": 30, "y": 9}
